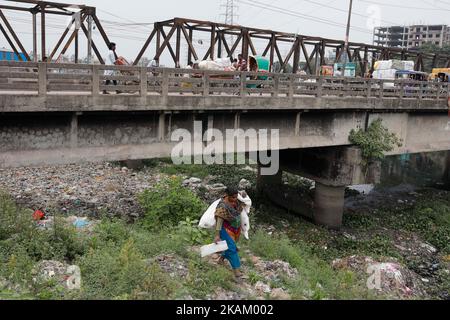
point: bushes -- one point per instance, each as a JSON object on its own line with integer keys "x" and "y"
{"x": 169, "y": 203}
{"x": 120, "y": 272}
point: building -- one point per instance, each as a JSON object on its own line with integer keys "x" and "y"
{"x": 410, "y": 37}
{"x": 9, "y": 55}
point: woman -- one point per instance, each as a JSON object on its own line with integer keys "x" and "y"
{"x": 228, "y": 228}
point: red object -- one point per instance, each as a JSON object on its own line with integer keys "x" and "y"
{"x": 121, "y": 61}
{"x": 38, "y": 215}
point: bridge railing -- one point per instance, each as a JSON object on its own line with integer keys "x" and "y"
{"x": 47, "y": 78}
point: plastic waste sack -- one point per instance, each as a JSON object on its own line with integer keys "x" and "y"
{"x": 208, "y": 220}
{"x": 245, "y": 220}
{"x": 213, "y": 248}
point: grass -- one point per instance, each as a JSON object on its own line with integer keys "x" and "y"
{"x": 115, "y": 259}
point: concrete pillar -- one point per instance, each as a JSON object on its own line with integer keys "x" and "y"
{"x": 329, "y": 205}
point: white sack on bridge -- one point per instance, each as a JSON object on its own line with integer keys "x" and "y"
{"x": 394, "y": 64}
{"x": 217, "y": 65}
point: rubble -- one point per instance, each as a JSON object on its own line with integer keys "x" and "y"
{"x": 388, "y": 277}
{"x": 170, "y": 264}
{"x": 262, "y": 288}
{"x": 86, "y": 190}
{"x": 60, "y": 272}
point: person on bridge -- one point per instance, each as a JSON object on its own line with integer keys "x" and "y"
{"x": 242, "y": 63}
{"x": 228, "y": 228}
{"x": 110, "y": 60}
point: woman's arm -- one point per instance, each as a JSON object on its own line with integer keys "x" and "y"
{"x": 219, "y": 225}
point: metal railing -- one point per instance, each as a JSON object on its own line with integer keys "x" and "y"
{"x": 47, "y": 78}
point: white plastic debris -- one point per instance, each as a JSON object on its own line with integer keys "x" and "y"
{"x": 213, "y": 248}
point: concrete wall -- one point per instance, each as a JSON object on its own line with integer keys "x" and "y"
{"x": 422, "y": 170}
{"x": 26, "y": 138}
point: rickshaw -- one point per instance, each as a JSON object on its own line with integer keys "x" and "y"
{"x": 412, "y": 88}
{"x": 443, "y": 76}
{"x": 258, "y": 64}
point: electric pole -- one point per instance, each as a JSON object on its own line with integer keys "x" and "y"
{"x": 347, "y": 35}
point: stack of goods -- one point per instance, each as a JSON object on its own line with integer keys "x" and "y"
{"x": 386, "y": 69}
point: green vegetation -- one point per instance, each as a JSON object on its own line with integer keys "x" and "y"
{"x": 168, "y": 203}
{"x": 120, "y": 260}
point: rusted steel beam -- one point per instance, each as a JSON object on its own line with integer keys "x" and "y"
{"x": 250, "y": 43}
{"x": 279, "y": 56}
{"x": 266, "y": 50}
{"x": 94, "y": 46}
{"x": 208, "y": 53}
{"x": 297, "y": 49}
{"x": 11, "y": 44}
{"x": 236, "y": 43}
{"x": 166, "y": 43}
{"x": 14, "y": 35}
{"x": 273, "y": 41}
{"x": 102, "y": 31}
{"x": 60, "y": 41}
{"x": 212, "y": 42}
{"x": 69, "y": 41}
{"x": 225, "y": 45}
{"x": 43, "y": 32}
{"x": 305, "y": 53}
{"x": 245, "y": 44}
{"x": 76, "y": 46}
{"x": 191, "y": 49}
{"x": 144, "y": 48}
{"x": 178, "y": 45}
{"x": 35, "y": 50}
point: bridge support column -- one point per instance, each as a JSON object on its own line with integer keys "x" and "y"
{"x": 329, "y": 205}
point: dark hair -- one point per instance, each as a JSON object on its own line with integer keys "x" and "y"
{"x": 231, "y": 191}
{"x": 111, "y": 45}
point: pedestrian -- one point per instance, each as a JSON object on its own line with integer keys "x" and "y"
{"x": 228, "y": 228}
{"x": 242, "y": 63}
{"x": 111, "y": 59}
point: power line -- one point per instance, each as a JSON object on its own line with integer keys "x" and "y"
{"x": 300, "y": 15}
{"x": 345, "y": 11}
{"x": 402, "y": 7}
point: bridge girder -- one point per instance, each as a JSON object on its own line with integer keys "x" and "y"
{"x": 44, "y": 8}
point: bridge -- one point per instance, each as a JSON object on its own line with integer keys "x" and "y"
{"x": 56, "y": 113}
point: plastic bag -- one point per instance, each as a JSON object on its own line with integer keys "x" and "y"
{"x": 208, "y": 220}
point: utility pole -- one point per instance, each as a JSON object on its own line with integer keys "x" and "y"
{"x": 347, "y": 35}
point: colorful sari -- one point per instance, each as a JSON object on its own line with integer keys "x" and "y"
{"x": 231, "y": 231}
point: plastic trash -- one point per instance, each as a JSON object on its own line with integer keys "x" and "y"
{"x": 208, "y": 220}
{"x": 81, "y": 223}
{"x": 38, "y": 215}
{"x": 213, "y": 248}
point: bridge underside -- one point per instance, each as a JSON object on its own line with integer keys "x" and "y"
{"x": 45, "y": 138}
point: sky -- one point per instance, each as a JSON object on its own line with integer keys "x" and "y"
{"x": 128, "y": 23}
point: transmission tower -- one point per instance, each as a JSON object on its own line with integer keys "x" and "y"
{"x": 230, "y": 7}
